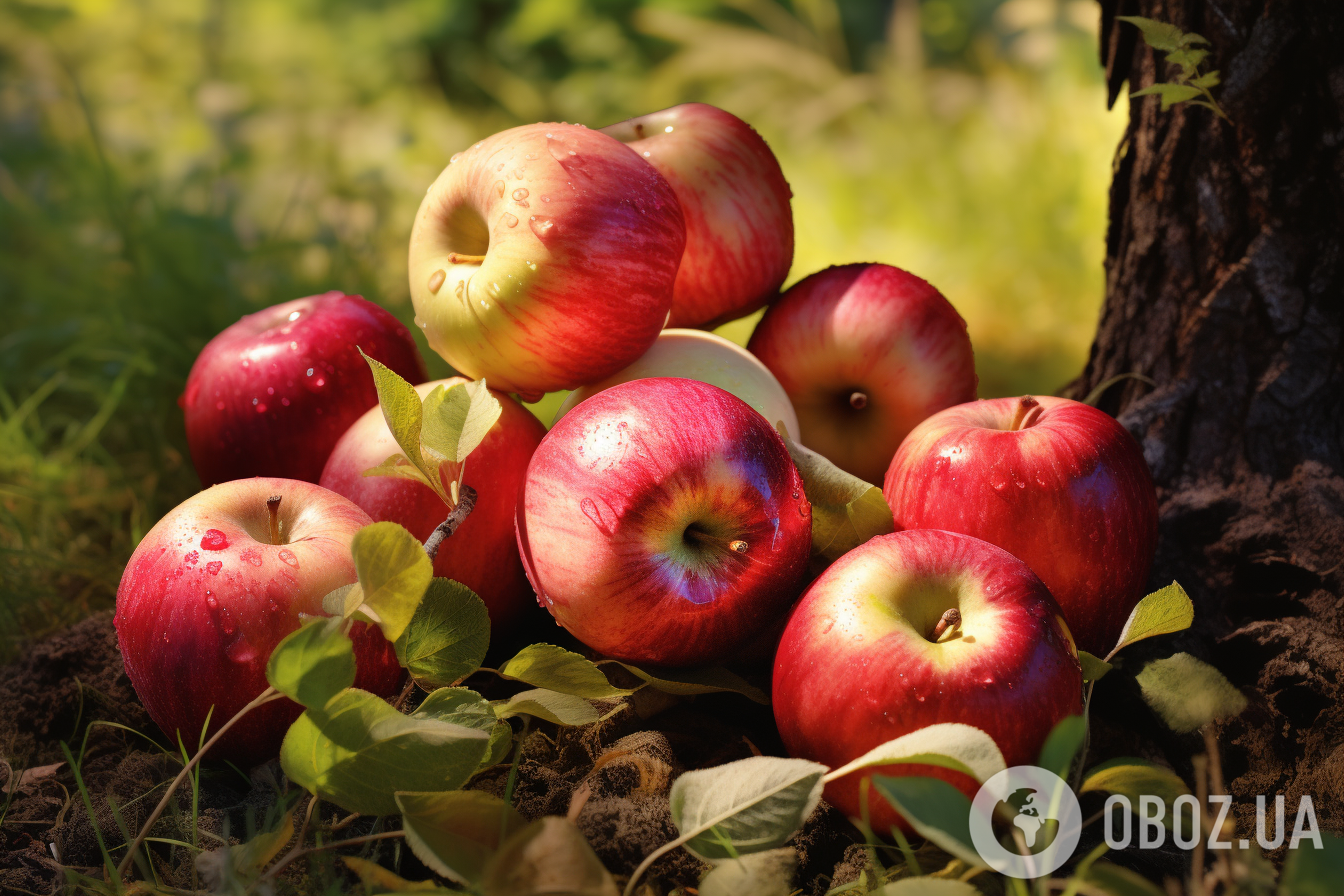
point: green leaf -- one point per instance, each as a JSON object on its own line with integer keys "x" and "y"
{"x": 562, "y": 709}
{"x": 767, "y": 873}
{"x": 1188, "y": 693}
{"x": 377, "y": 879}
{"x": 1206, "y": 80}
{"x": 1116, "y": 881}
{"x": 465, "y": 707}
{"x": 1135, "y": 778}
{"x": 1094, "y": 669}
{"x": 447, "y": 636}
{"x": 404, "y": 413}
{"x": 1163, "y": 612}
{"x": 705, "y": 680}
{"x": 927, "y": 886}
{"x": 1314, "y": 872}
{"x": 746, "y": 806}
{"x": 1170, "y": 93}
{"x": 549, "y": 856}
{"x": 846, "y": 511}
{"x": 248, "y": 859}
{"x": 398, "y": 467}
{"x": 344, "y": 601}
{"x": 548, "y": 666}
{"x": 1187, "y": 58}
{"x": 457, "y": 420}
{"x": 313, "y": 663}
{"x": 962, "y": 748}
{"x": 1062, "y": 744}
{"x": 456, "y": 832}
{"x": 357, "y": 751}
{"x": 394, "y": 573}
{"x": 501, "y": 739}
{"x": 1160, "y": 35}
{"x": 936, "y": 810}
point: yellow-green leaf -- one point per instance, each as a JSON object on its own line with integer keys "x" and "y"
{"x": 562, "y": 709}
{"x": 703, "y": 680}
{"x": 313, "y": 663}
{"x": 456, "y": 420}
{"x": 846, "y": 511}
{"x": 548, "y": 666}
{"x": 404, "y": 413}
{"x": 447, "y": 636}
{"x": 1134, "y": 778}
{"x": 1170, "y": 93}
{"x": 1094, "y": 669}
{"x": 394, "y": 573}
{"x": 1160, "y": 35}
{"x": 1163, "y": 612}
{"x": 377, "y": 879}
{"x": 455, "y": 833}
{"x": 398, "y": 467}
{"x": 549, "y": 856}
{"x": 1188, "y": 693}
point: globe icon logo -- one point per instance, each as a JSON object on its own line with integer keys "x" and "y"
{"x": 1040, "y": 822}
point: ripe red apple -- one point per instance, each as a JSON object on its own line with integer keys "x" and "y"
{"x": 739, "y": 226}
{"x": 865, "y": 351}
{"x": 859, "y": 663}
{"x": 663, "y": 522}
{"x": 543, "y": 258}
{"x": 1055, "y": 482}
{"x": 483, "y": 553}
{"x": 208, "y": 594}
{"x": 272, "y": 394}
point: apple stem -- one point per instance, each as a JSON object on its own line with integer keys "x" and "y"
{"x": 1026, "y": 414}
{"x": 459, "y": 258}
{"x": 701, "y": 537}
{"x": 950, "y": 619}
{"x": 858, "y": 401}
{"x": 466, "y": 502}
{"x": 273, "y": 506}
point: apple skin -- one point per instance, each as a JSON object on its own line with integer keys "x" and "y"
{"x": 872, "y": 329}
{"x": 1070, "y": 494}
{"x": 483, "y": 553}
{"x": 739, "y": 224}
{"x": 253, "y": 408}
{"x": 580, "y": 239}
{"x": 697, "y": 355}
{"x": 205, "y": 598}
{"x": 855, "y": 668}
{"x": 628, "y": 512}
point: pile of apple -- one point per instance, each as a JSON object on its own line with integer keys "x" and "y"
{"x": 662, "y": 519}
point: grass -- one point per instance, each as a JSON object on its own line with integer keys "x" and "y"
{"x": 166, "y": 167}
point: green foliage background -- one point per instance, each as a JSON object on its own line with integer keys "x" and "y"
{"x": 169, "y": 165}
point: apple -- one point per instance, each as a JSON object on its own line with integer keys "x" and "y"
{"x": 865, "y": 352}
{"x": 215, "y": 585}
{"x": 662, "y": 521}
{"x": 1055, "y": 482}
{"x": 697, "y": 355}
{"x": 483, "y": 553}
{"x": 272, "y": 394}
{"x": 863, "y": 661}
{"x": 543, "y": 258}
{"x": 739, "y": 226}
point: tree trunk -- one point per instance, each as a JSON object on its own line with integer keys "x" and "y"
{"x": 1224, "y": 285}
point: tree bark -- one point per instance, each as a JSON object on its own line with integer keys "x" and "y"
{"x": 1224, "y": 278}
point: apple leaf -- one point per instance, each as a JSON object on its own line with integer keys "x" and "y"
{"x": 1188, "y": 693}
{"x": 768, "y": 873}
{"x": 1113, "y": 880}
{"x": 377, "y": 879}
{"x": 1062, "y": 745}
{"x": 553, "y": 706}
{"x": 457, "y": 420}
{"x": 1135, "y": 778}
{"x": 344, "y": 601}
{"x": 1162, "y": 36}
{"x": 313, "y": 663}
{"x": 1314, "y": 872}
{"x": 456, "y": 832}
{"x": 394, "y": 573}
{"x": 846, "y": 511}
{"x": 357, "y": 751}
{"x": 549, "y": 856}
{"x": 1163, "y": 612}
{"x": 927, "y": 886}
{"x": 963, "y": 748}
{"x": 746, "y": 806}
{"x": 465, "y": 707}
{"x": 704, "y": 680}
{"x": 447, "y": 636}
{"x": 398, "y": 467}
{"x": 548, "y": 666}
{"x": 1170, "y": 93}
{"x": 936, "y": 810}
{"x": 404, "y": 413}
{"x": 1094, "y": 669}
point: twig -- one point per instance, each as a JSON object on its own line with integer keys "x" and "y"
{"x": 298, "y": 853}
{"x": 465, "y": 503}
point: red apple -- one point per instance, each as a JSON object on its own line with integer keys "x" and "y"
{"x": 739, "y": 226}
{"x": 208, "y": 594}
{"x": 859, "y": 663}
{"x": 1055, "y": 482}
{"x": 543, "y": 258}
{"x": 865, "y": 351}
{"x": 272, "y": 394}
{"x": 483, "y": 553}
{"x": 663, "y": 522}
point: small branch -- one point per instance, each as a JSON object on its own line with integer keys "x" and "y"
{"x": 465, "y": 503}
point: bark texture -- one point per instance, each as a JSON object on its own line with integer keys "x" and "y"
{"x": 1225, "y": 285}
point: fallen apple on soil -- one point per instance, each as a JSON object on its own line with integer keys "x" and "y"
{"x": 739, "y": 224}
{"x": 914, "y": 629}
{"x": 662, "y": 521}
{"x": 483, "y": 553}
{"x": 272, "y": 394}
{"x": 543, "y": 258}
{"x": 215, "y": 585}
{"x": 865, "y": 352}
{"x": 1055, "y": 482}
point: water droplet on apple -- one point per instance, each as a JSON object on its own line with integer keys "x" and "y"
{"x": 542, "y": 225}
{"x": 213, "y": 567}
{"x": 589, "y": 508}
{"x": 919, "y": 698}
{"x": 310, "y": 372}
{"x": 499, "y": 167}
{"x": 436, "y": 280}
{"x": 520, "y": 193}
{"x": 827, "y": 623}
{"x": 499, "y": 188}
{"x": 251, "y": 556}
{"x": 532, "y": 265}
{"x": 287, "y": 557}
{"x": 509, "y": 220}
{"x": 454, "y": 157}
{"x": 294, "y": 315}
{"x": 191, "y": 558}
{"x": 214, "y": 540}
{"x": 532, "y": 157}
{"x": 545, "y": 198}
{"x": 210, "y": 600}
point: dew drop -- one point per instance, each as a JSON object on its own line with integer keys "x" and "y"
{"x": 827, "y": 624}
{"x": 287, "y": 557}
{"x": 213, "y": 567}
{"x": 461, "y": 286}
{"x": 520, "y": 193}
{"x": 251, "y": 556}
{"x": 214, "y": 540}
{"x": 499, "y": 167}
{"x": 542, "y": 225}
{"x": 531, "y": 157}
{"x": 210, "y": 600}
{"x": 499, "y": 188}
{"x": 436, "y": 280}
{"x": 667, "y": 130}
{"x": 589, "y": 508}
{"x": 509, "y": 220}
{"x": 455, "y": 156}
{"x": 310, "y": 372}
{"x": 191, "y": 558}
{"x": 294, "y": 315}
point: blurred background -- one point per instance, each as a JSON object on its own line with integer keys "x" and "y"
{"x": 167, "y": 166}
